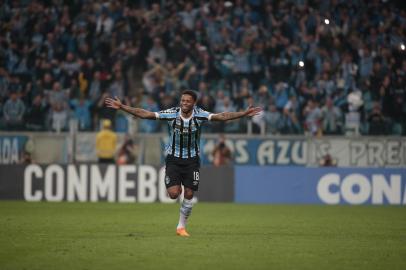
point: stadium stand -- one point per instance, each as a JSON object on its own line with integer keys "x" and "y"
{"x": 316, "y": 67}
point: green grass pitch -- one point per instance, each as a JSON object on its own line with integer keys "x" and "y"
{"x": 224, "y": 236}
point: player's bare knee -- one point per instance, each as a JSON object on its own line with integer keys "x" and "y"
{"x": 173, "y": 195}
{"x": 188, "y": 194}
{"x": 174, "y": 192}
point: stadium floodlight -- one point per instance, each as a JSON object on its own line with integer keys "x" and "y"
{"x": 402, "y": 47}
{"x": 301, "y": 63}
{"x": 327, "y": 21}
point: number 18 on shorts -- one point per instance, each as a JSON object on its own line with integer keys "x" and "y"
{"x": 185, "y": 172}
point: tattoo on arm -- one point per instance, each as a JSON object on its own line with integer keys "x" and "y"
{"x": 224, "y": 116}
{"x": 138, "y": 112}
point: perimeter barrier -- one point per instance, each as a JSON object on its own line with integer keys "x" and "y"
{"x": 240, "y": 184}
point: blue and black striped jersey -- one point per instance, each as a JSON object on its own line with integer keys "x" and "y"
{"x": 184, "y": 134}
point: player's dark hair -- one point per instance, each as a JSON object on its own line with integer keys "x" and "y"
{"x": 190, "y": 93}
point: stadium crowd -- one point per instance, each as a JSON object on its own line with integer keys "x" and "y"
{"x": 307, "y": 63}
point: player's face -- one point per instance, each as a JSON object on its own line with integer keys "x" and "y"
{"x": 187, "y": 103}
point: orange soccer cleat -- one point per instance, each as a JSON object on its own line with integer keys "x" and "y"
{"x": 182, "y": 232}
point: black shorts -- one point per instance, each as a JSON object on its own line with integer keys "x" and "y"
{"x": 183, "y": 171}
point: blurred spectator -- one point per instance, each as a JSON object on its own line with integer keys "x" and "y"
{"x": 14, "y": 85}
{"x": 74, "y": 89}
{"x": 157, "y": 53}
{"x": 281, "y": 95}
{"x": 57, "y": 95}
{"x": 95, "y": 87}
{"x": 36, "y": 114}
{"x": 59, "y": 116}
{"x": 94, "y": 95}
{"x": 221, "y": 153}
{"x": 313, "y": 116}
{"x": 262, "y": 97}
{"x": 258, "y": 63}
{"x": 149, "y": 104}
{"x": 365, "y": 62}
{"x": 127, "y": 154}
{"x": 241, "y": 65}
{"x": 4, "y": 81}
{"x": 376, "y": 120}
{"x": 13, "y": 112}
{"x": 27, "y": 153}
{"x": 273, "y": 119}
{"x": 226, "y": 106}
{"x": 177, "y": 50}
{"x": 331, "y": 118}
{"x": 81, "y": 111}
{"x": 328, "y": 161}
{"x": 118, "y": 86}
{"x": 106, "y": 143}
{"x": 188, "y": 16}
{"x": 104, "y": 25}
{"x": 71, "y": 66}
{"x": 291, "y": 116}
{"x": 259, "y": 123}
{"x": 153, "y": 78}
{"x": 104, "y": 112}
{"x": 241, "y": 98}
{"x": 220, "y": 99}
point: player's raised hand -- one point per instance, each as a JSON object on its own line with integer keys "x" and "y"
{"x": 251, "y": 111}
{"x": 113, "y": 103}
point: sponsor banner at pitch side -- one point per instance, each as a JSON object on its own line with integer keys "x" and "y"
{"x": 12, "y": 148}
{"x": 295, "y": 185}
{"x": 361, "y": 152}
{"x": 93, "y": 183}
{"x": 283, "y": 152}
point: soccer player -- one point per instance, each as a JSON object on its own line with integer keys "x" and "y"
{"x": 182, "y": 160}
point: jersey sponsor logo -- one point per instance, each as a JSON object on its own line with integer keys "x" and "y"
{"x": 179, "y": 127}
{"x": 184, "y": 131}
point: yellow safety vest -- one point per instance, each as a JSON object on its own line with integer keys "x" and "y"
{"x": 106, "y": 141}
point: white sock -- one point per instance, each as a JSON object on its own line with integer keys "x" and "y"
{"x": 185, "y": 211}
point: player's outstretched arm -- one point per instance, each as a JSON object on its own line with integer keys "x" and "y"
{"x": 224, "y": 116}
{"x": 137, "y": 112}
